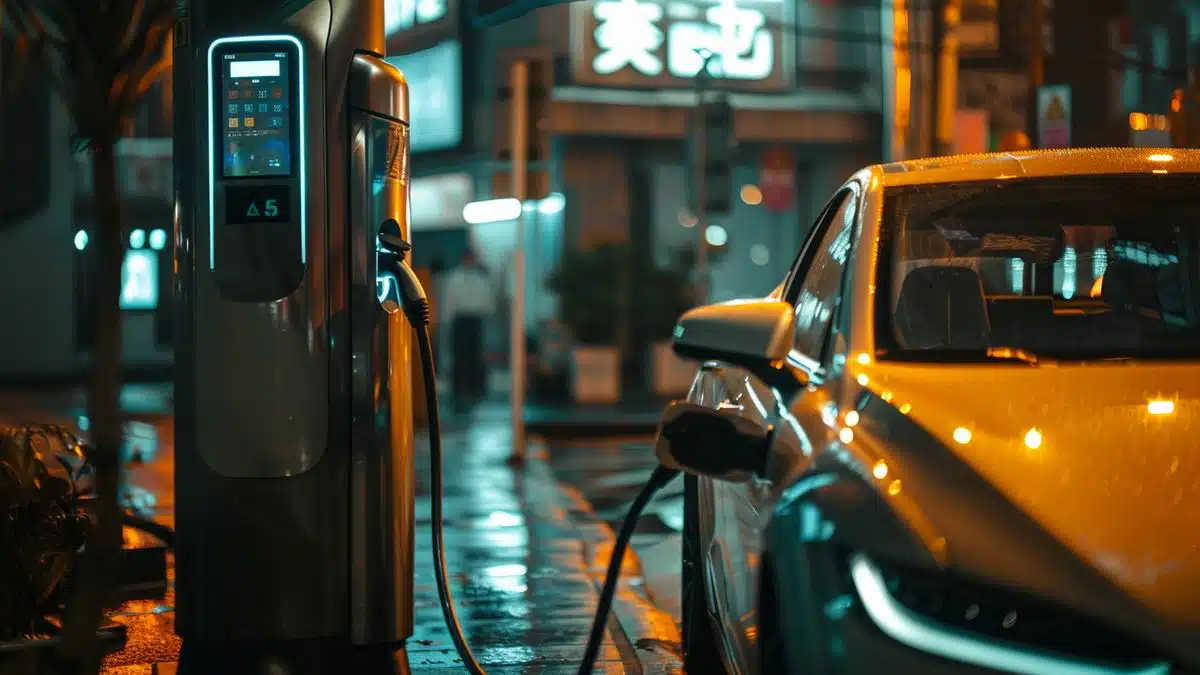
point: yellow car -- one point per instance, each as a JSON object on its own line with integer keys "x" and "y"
{"x": 963, "y": 435}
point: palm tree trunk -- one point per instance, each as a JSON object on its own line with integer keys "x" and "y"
{"x": 92, "y": 588}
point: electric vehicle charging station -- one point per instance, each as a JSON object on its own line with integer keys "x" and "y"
{"x": 294, "y": 377}
{"x": 293, "y": 387}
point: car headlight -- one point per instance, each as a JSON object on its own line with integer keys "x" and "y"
{"x": 991, "y": 628}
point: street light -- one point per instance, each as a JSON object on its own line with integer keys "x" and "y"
{"x": 492, "y": 211}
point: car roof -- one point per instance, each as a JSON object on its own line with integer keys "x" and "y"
{"x": 1037, "y": 164}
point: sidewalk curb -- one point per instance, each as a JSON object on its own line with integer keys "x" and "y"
{"x": 652, "y": 633}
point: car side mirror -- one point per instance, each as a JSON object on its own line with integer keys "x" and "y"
{"x": 753, "y": 334}
{"x": 714, "y": 442}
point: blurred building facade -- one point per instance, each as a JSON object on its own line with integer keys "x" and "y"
{"x": 1114, "y": 66}
{"x": 47, "y": 217}
{"x": 819, "y": 88}
{"x": 805, "y": 78}
{"x": 808, "y": 80}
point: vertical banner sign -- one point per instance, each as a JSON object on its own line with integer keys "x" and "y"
{"x": 777, "y": 179}
{"x": 971, "y": 131}
{"x": 1054, "y": 116}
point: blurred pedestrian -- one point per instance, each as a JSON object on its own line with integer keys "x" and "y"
{"x": 470, "y": 300}
{"x": 437, "y": 273}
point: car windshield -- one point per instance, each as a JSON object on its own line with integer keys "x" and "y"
{"x": 1064, "y": 268}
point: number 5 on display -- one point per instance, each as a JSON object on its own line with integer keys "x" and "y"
{"x": 271, "y": 209}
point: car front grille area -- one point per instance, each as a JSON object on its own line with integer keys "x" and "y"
{"x": 1008, "y": 616}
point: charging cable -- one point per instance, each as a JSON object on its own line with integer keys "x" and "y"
{"x": 659, "y": 479}
{"x": 416, "y": 307}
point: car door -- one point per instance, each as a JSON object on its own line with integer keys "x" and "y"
{"x": 739, "y": 511}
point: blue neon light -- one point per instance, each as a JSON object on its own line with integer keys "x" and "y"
{"x": 139, "y": 280}
{"x": 212, "y": 134}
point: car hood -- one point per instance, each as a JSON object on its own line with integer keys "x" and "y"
{"x": 1105, "y": 458}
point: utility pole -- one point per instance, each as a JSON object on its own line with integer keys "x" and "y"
{"x": 1037, "y": 64}
{"x": 946, "y": 17}
{"x": 519, "y": 124}
{"x": 701, "y": 176}
{"x": 522, "y": 141}
{"x": 712, "y": 147}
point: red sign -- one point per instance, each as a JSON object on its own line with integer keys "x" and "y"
{"x": 777, "y": 179}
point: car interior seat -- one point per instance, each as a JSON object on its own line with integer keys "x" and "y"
{"x": 942, "y": 307}
{"x": 1020, "y": 321}
{"x": 1131, "y": 292}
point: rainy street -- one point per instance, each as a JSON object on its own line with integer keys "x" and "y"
{"x": 526, "y": 552}
{"x": 608, "y": 473}
{"x": 642, "y": 337}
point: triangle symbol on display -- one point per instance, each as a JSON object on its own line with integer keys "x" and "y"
{"x": 252, "y": 212}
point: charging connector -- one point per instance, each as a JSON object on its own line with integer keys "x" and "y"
{"x": 415, "y": 304}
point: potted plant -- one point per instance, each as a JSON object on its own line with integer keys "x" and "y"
{"x": 587, "y": 283}
{"x": 665, "y": 292}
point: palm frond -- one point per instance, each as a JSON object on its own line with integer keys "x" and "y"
{"x": 100, "y": 55}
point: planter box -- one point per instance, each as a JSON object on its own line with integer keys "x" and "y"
{"x": 672, "y": 376}
{"x": 596, "y": 375}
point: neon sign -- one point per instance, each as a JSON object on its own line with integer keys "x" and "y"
{"x": 402, "y": 15}
{"x": 139, "y": 280}
{"x": 653, "y": 41}
{"x": 435, "y": 114}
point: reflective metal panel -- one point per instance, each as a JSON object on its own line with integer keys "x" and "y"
{"x": 381, "y": 346}
{"x": 269, "y": 357}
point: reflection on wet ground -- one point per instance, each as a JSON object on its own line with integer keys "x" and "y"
{"x": 608, "y": 476}
{"x": 526, "y": 560}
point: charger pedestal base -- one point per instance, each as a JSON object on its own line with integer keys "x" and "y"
{"x": 305, "y": 657}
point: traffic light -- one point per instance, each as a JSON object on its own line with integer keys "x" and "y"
{"x": 539, "y": 81}
{"x": 716, "y": 150}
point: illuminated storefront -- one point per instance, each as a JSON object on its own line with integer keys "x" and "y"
{"x": 146, "y": 297}
{"x": 146, "y": 300}
{"x": 140, "y": 285}
{"x": 623, "y": 118}
{"x": 414, "y": 25}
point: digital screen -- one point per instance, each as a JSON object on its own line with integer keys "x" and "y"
{"x": 139, "y": 280}
{"x": 247, "y": 204}
{"x": 256, "y": 100}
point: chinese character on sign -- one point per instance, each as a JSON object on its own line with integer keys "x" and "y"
{"x": 628, "y": 34}
{"x": 405, "y": 14}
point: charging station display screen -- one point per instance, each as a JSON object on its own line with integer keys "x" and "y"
{"x": 256, "y": 101}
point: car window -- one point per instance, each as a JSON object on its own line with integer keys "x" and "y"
{"x": 817, "y": 297}
{"x": 1075, "y": 268}
{"x": 795, "y": 276}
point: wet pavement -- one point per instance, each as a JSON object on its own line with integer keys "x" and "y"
{"x": 608, "y": 475}
{"x": 527, "y": 556}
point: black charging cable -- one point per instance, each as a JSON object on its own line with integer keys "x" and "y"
{"x": 416, "y": 308}
{"x": 659, "y": 479}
